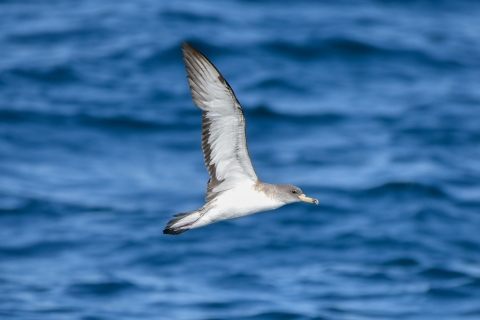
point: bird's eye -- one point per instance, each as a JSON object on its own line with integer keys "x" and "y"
{"x": 294, "y": 191}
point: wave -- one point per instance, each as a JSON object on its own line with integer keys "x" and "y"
{"x": 16, "y": 205}
{"x": 114, "y": 122}
{"x": 58, "y": 74}
{"x": 414, "y": 188}
{"x": 55, "y": 35}
{"x": 401, "y": 262}
{"x": 100, "y": 288}
{"x": 441, "y": 273}
{"x": 280, "y": 84}
{"x": 40, "y": 248}
{"x": 318, "y": 49}
{"x": 266, "y": 112}
{"x": 447, "y": 293}
{"x": 190, "y": 16}
{"x": 274, "y": 315}
{"x": 314, "y": 49}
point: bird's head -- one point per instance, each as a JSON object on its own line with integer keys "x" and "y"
{"x": 294, "y": 194}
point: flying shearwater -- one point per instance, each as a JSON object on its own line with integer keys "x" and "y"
{"x": 234, "y": 189}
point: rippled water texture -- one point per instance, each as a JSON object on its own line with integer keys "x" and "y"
{"x": 373, "y": 107}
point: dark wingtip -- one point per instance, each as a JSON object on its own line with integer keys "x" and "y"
{"x": 186, "y": 47}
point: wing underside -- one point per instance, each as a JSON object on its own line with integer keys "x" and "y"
{"x": 224, "y": 142}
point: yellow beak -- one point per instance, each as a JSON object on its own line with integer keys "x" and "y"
{"x": 304, "y": 198}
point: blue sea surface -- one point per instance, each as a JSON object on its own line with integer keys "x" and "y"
{"x": 371, "y": 106}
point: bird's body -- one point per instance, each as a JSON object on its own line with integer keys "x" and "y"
{"x": 240, "y": 201}
{"x": 234, "y": 189}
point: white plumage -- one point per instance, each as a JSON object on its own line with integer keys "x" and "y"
{"x": 240, "y": 201}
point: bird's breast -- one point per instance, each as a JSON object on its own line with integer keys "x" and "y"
{"x": 245, "y": 200}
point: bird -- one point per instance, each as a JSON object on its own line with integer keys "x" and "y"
{"x": 233, "y": 190}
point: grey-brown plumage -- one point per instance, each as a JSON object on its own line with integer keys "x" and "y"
{"x": 233, "y": 189}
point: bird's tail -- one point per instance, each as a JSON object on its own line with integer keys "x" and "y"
{"x": 181, "y": 222}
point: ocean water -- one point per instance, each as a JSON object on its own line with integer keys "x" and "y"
{"x": 373, "y": 107}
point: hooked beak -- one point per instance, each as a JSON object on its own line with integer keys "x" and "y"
{"x": 304, "y": 198}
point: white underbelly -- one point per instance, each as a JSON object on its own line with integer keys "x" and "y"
{"x": 236, "y": 203}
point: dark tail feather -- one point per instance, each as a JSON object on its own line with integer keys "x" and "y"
{"x": 173, "y": 231}
{"x": 181, "y": 228}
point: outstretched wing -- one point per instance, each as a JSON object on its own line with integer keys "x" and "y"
{"x": 223, "y": 125}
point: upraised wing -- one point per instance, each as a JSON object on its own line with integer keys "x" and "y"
{"x": 223, "y": 125}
